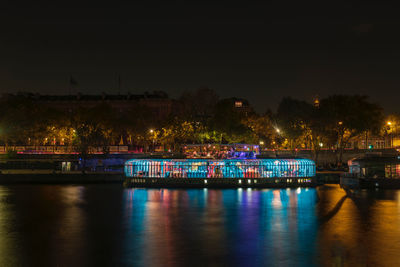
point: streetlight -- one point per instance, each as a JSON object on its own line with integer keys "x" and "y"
{"x": 389, "y": 124}
{"x": 151, "y": 132}
{"x": 278, "y": 130}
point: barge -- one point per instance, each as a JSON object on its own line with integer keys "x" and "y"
{"x": 220, "y": 173}
{"x": 372, "y": 172}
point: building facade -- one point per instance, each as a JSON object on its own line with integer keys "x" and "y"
{"x": 158, "y": 102}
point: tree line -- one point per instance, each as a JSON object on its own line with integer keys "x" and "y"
{"x": 198, "y": 117}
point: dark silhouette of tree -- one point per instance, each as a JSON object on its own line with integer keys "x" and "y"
{"x": 292, "y": 118}
{"x": 350, "y": 116}
{"x": 92, "y": 128}
{"x": 228, "y": 120}
{"x": 22, "y": 121}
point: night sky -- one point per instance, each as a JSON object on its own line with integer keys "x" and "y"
{"x": 251, "y": 49}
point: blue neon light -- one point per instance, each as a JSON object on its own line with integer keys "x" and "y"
{"x": 226, "y": 168}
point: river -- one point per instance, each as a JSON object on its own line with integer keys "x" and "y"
{"x": 109, "y": 225}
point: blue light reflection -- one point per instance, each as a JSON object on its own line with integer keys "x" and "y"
{"x": 232, "y": 226}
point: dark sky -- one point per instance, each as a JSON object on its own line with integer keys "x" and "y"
{"x": 257, "y": 50}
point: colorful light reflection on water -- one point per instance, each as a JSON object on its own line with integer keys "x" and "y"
{"x": 108, "y": 225}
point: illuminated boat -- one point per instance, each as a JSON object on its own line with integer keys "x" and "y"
{"x": 220, "y": 173}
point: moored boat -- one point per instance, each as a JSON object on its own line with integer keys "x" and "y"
{"x": 261, "y": 173}
{"x": 372, "y": 171}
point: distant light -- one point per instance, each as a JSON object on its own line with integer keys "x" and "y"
{"x": 151, "y": 130}
{"x": 238, "y": 104}
{"x": 389, "y": 123}
{"x": 340, "y": 122}
{"x": 321, "y": 144}
{"x": 278, "y": 130}
{"x": 261, "y": 143}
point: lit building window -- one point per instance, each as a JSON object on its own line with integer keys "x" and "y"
{"x": 238, "y": 104}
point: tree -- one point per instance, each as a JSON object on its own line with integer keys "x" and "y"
{"x": 349, "y": 116}
{"x": 137, "y": 123}
{"x": 292, "y": 118}
{"x": 261, "y": 127}
{"x": 391, "y": 127}
{"x": 227, "y": 121}
{"x": 93, "y": 127}
{"x": 317, "y": 131}
{"x": 22, "y": 121}
{"x": 303, "y": 124}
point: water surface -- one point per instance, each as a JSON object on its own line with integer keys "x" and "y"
{"x": 108, "y": 225}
